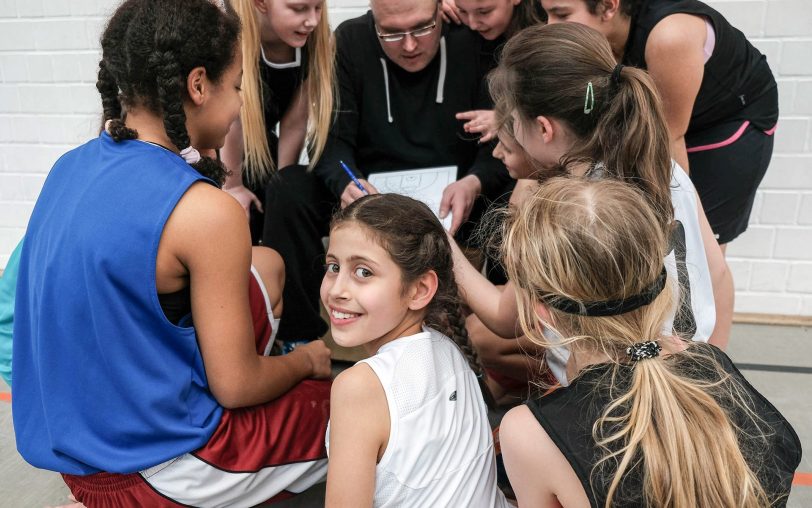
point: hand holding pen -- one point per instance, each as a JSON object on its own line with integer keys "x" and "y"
{"x": 357, "y": 188}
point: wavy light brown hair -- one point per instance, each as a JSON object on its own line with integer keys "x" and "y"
{"x": 319, "y": 86}
{"x": 597, "y": 240}
{"x": 545, "y": 71}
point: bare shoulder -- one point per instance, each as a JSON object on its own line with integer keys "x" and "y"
{"x": 210, "y": 205}
{"x": 677, "y": 35}
{"x": 358, "y": 387}
{"x": 539, "y": 472}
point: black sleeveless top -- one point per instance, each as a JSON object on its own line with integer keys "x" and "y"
{"x": 567, "y": 415}
{"x": 279, "y": 85}
{"x": 737, "y": 83}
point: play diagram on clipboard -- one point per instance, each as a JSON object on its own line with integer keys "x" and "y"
{"x": 425, "y": 185}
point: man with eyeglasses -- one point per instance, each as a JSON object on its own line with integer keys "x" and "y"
{"x": 402, "y": 75}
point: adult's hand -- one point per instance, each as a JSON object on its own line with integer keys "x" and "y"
{"x": 352, "y": 192}
{"x": 450, "y": 12}
{"x": 480, "y": 121}
{"x": 458, "y": 198}
{"x": 245, "y": 198}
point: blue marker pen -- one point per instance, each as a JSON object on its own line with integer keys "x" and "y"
{"x": 355, "y": 180}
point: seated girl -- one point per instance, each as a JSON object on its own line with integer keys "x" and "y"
{"x": 649, "y": 418}
{"x": 408, "y": 426}
{"x": 140, "y": 328}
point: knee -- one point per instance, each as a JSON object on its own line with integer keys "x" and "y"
{"x": 271, "y": 268}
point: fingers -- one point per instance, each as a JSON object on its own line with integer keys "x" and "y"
{"x": 257, "y": 203}
{"x": 458, "y": 215}
{"x": 468, "y": 115}
{"x": 487, "y": 137}
{"x": 320, "y": 358}
{"x": 450, "y": 13}
{"x": 369, "y": 187}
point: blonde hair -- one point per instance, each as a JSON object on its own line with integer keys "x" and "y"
{"x": 598, "y": 240}
{"x": 320, "y": 83}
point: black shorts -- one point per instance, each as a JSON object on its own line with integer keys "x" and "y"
{"x": 726, "y": 167}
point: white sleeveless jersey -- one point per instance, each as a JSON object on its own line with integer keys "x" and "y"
{"x": 687, "y": 263}
{"x": 440, "y": 451}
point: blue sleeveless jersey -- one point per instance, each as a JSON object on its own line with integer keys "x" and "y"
{"x": 102, "y": 380}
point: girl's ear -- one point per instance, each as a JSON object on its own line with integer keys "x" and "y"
{"x": 608, "y": 9}
{"x": 260, "y": 6}
{"x": 545, "y": 128}
{"x": 196, "y": 85}
{"x": 422, "y": 290}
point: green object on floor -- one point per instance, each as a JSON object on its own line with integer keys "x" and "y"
{"x": 8, "y": 288}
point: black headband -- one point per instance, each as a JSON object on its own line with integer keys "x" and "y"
{"x": 609, "y": 307}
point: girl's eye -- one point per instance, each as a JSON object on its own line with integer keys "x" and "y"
{"x": 331, "y": 268}
{"x": 362, "y": 273}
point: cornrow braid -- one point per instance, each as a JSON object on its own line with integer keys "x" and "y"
{"x": 169, "y": 82}
{"x": 458, "y": 333}
{"x": 111, "y": 105}
{"x": 149, "y": 47}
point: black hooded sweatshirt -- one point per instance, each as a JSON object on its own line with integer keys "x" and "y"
{"x": 389, "y": 119}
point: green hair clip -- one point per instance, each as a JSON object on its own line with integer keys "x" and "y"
{"x": 589, "y": 100}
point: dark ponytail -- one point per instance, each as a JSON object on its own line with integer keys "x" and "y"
{"x": 417, "y": 243}
{"x": 148, "y": 49}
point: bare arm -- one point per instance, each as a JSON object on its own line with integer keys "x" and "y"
{"x": 721, "y": 279}
{"x": 676, "y": 62}
{"x": 208, "y": 235}
{"x": 359, "y": 431}
{"x": 232, "y": 157}
{"x": 539, "y": 473}
{"x": 495, "y": 306}
{"x": 293, "y": 129}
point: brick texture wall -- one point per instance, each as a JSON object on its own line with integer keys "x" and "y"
{"x": 48, "y": 104}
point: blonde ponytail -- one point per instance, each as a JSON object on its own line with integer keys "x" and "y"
{"x": 690, "y": 450}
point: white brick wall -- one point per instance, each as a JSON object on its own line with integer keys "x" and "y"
{"x": 48, "y": 58}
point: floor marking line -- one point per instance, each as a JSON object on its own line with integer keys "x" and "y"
{"x": 802, "y": 480}
{"x": 788, "y": 369}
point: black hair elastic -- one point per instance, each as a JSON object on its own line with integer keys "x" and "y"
{"x": 616, "y": 73}
{"x": 608, "y": 307}
{"x": 644, "y": 350}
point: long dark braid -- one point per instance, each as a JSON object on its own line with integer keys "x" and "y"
{"x": 417, "y": 243}
{"x": 148, "y": 49}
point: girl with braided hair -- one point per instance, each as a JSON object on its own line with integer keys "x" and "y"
{"x": 408, "y": 426}
{"x": 648, "y": 419}
{"x": 141, "y": 367}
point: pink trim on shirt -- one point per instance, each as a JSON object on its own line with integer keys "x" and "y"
{"x": 729, "y": 141}
{"x": 710, "y": 40}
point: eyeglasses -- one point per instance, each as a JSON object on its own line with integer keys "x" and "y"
{"x": 418, "y": 32}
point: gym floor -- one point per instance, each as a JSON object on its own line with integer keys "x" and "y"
{"x": 777, "y": 360}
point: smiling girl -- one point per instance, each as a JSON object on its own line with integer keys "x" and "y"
{"x": 409, "y": 426}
